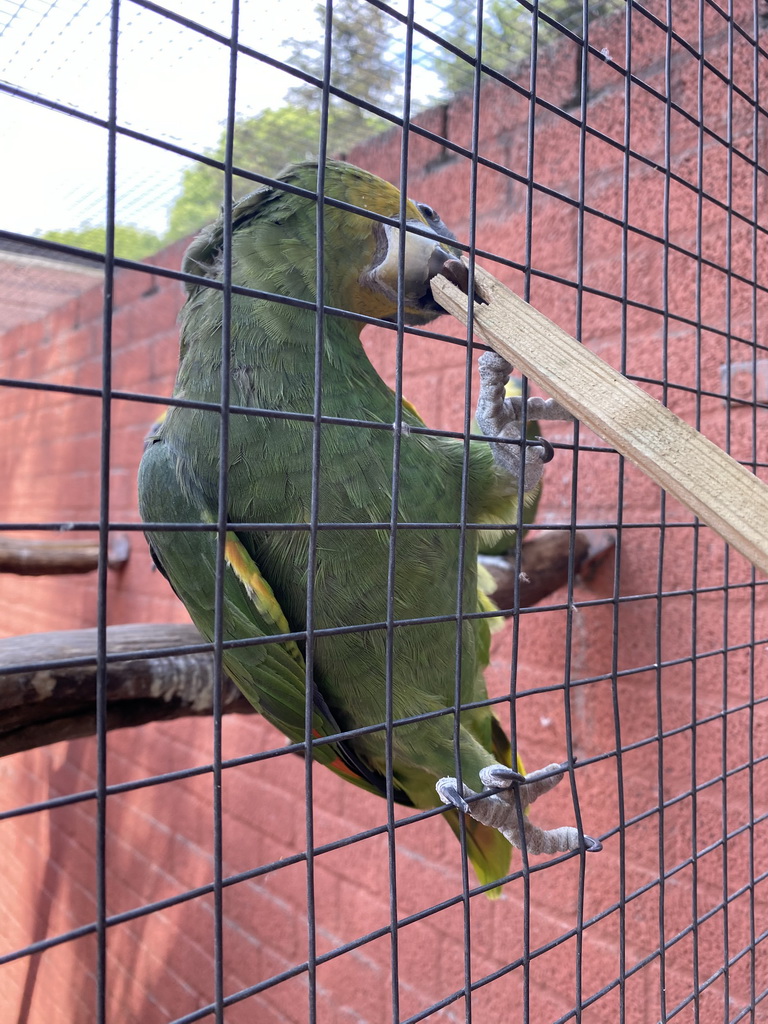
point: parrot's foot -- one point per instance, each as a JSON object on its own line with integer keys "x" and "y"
{"x": 502, "y": 803}
{"x": 499, "y": 416}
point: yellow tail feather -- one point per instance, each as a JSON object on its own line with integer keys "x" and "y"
{"x": 488, "y": 851}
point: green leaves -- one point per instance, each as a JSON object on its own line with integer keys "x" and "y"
{"x": 130, "y": 243}
{"x": 507, "y": 34}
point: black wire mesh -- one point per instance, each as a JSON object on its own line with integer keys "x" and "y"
{"x": 654, "y": 676}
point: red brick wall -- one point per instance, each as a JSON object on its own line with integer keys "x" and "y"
{"x": 159, "y": 838}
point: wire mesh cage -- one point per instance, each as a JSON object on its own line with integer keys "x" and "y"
{"x": 169, "y": 856}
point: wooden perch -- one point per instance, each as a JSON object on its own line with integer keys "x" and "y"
{"x": 722, "y": 493}
{"x": 544, "y": 564}
{"x": 56, "y": 558}
{"x": 44, "y": 706}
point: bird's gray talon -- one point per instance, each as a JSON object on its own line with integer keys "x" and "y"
{"x": 549, "y": 451}
{"x": 455, "y": 271}
{"x": 451, "y": 795}
{"x": 503, "y": 774}
{"x": 505, "y": 795}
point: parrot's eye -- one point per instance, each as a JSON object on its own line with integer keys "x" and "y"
{"x": 427, "y": 212}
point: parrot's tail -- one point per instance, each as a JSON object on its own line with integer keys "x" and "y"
{"x": 488, "y": 851}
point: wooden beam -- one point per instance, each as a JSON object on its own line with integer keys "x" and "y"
{"x": 57, "y": 558}
{"x": 690, "y": 467}
{"x": 544, "y": 565}
{"x": 41, "y": 705}
{"x": 43, "y": 702}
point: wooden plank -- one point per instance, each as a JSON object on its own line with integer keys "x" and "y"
{"x": 716, "y": 488}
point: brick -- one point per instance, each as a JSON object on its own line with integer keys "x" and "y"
{"x": 130, "y": 286}
{"x": 366, "y": 989}
{"x": 258, "y": 1008}
{"x": 46, "y": 983}
{"x": 260, "y": 907}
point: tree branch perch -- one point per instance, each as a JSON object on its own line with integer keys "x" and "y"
{"x": 44, "y": 698}
{"x": 26, "y": 557}
{"x": 45, "y": 705}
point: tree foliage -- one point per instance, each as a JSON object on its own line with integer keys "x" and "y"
{"x": 130, "y": 243}
{"x": 507, "y": 33}
{"x": 262, "y": 144}
{"x": 361, "y": 64}
{"x": 366, "y": 62}
{"x": 267, "y": 142}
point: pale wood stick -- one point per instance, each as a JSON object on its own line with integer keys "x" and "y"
{"x": 716, "y": 488}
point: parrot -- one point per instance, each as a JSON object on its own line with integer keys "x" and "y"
{"x": 369, "y": 272}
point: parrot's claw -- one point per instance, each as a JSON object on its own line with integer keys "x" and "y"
{"x": 502, "y": 803}
{"x": 499, "y": 416}
{"x": 549, "y": 451}
{"x": 499, "y": 776}
{"x": 449, "y": 794}
{"x": 457, "y": 273}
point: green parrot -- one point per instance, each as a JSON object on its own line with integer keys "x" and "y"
{"x": 269, "y": 481}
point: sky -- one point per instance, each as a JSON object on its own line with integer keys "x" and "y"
{"x": 172, "y": 84}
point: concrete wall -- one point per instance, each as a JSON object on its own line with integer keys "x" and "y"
{"x": 687, "y": 661}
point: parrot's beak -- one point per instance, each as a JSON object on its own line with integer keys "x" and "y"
{"x": 424, "y": 256}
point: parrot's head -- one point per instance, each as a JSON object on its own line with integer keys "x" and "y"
{"x": 366, "y": 259}
{"x": 388, "y": 258}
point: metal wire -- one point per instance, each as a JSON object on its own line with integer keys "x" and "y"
{"x": 106, "y": 420}
{"x": 459, "y": 996}
{"x": 314, "y": 515}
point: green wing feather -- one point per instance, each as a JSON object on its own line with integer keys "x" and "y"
{"x": 272, "y": 676}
